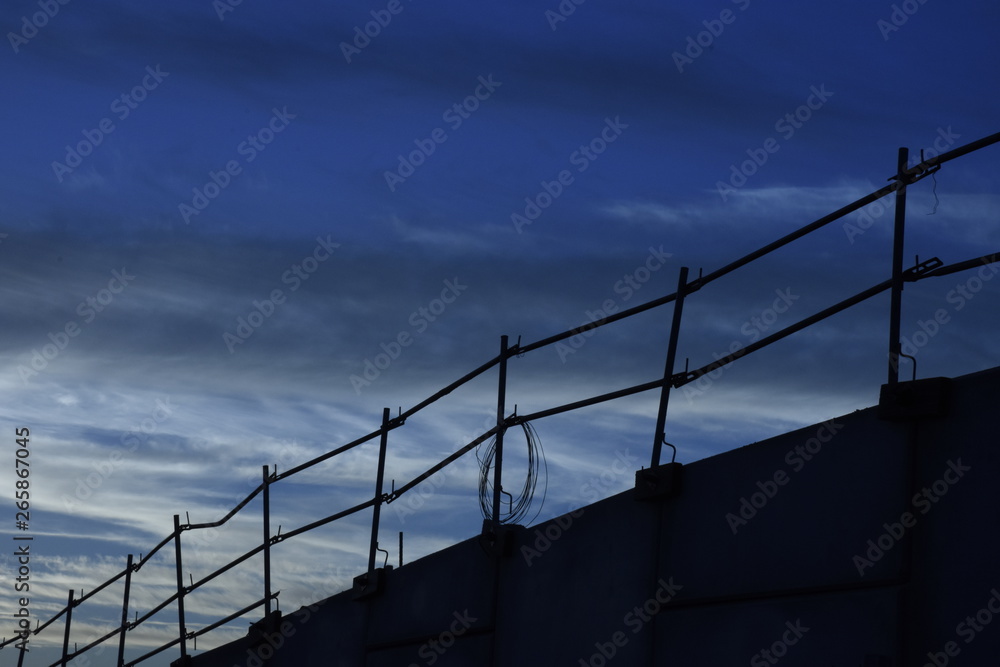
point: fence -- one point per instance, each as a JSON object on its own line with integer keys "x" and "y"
{"x": 368, "y": 582}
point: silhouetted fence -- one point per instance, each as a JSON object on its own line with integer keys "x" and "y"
{"x": 368, "y": 583}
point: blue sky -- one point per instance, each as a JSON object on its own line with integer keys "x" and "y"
{"x": 215, "y": 215}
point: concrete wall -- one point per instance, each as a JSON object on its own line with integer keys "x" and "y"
{"x": 861, "y": 541}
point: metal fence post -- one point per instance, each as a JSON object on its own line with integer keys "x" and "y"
{"x": 668, "y": 371}
{"x": 498, "y": 458}
{"x": 267, "y": 544}
{"x": 22, "y": 648}
{"x": 378, "y": 496}
{"x": 69, "y": 620}
{"x": 128, "y": 587}
{"x": 180, "y": 588}
{"x": 896, "y": 299}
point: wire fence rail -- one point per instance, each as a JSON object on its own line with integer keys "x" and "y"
{"x": 904, "y": 177}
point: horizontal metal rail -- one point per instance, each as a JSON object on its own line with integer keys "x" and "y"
{"x": 681, "y": 379}
{"x": 931, "y": 268}
{"x": 584, "y": 328}
{"x": 225, "y": 568}
{"x": 983, "y": 260}
{"x": 215, "y": 524}
{"x": 45, "y": 624}
{"x": 281, "y": 537}
{"x": 147, "y": 656}
{"x": 228, "y": 619}
{"x": 166, "y": 540}
{"x": 77, "y": 602}
{"x": 190, "y": 635}
{"x": 329, "y": 455}
{"x": 78, "y": 652}
{"x": 392, "y": 425}
{"x": 453, "y": 386}
{"x": 157, "y": 609}
{"x": 457, "y": 454}
{"x": 637, "y": 389}
{"x": 947, "y": 156}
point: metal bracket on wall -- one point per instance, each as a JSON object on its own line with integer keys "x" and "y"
{"x": 663, "y": 481}
{"x": 918, "y": 399}
{"x": 500, "y": 541}
{"x": 365, "y": 587}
